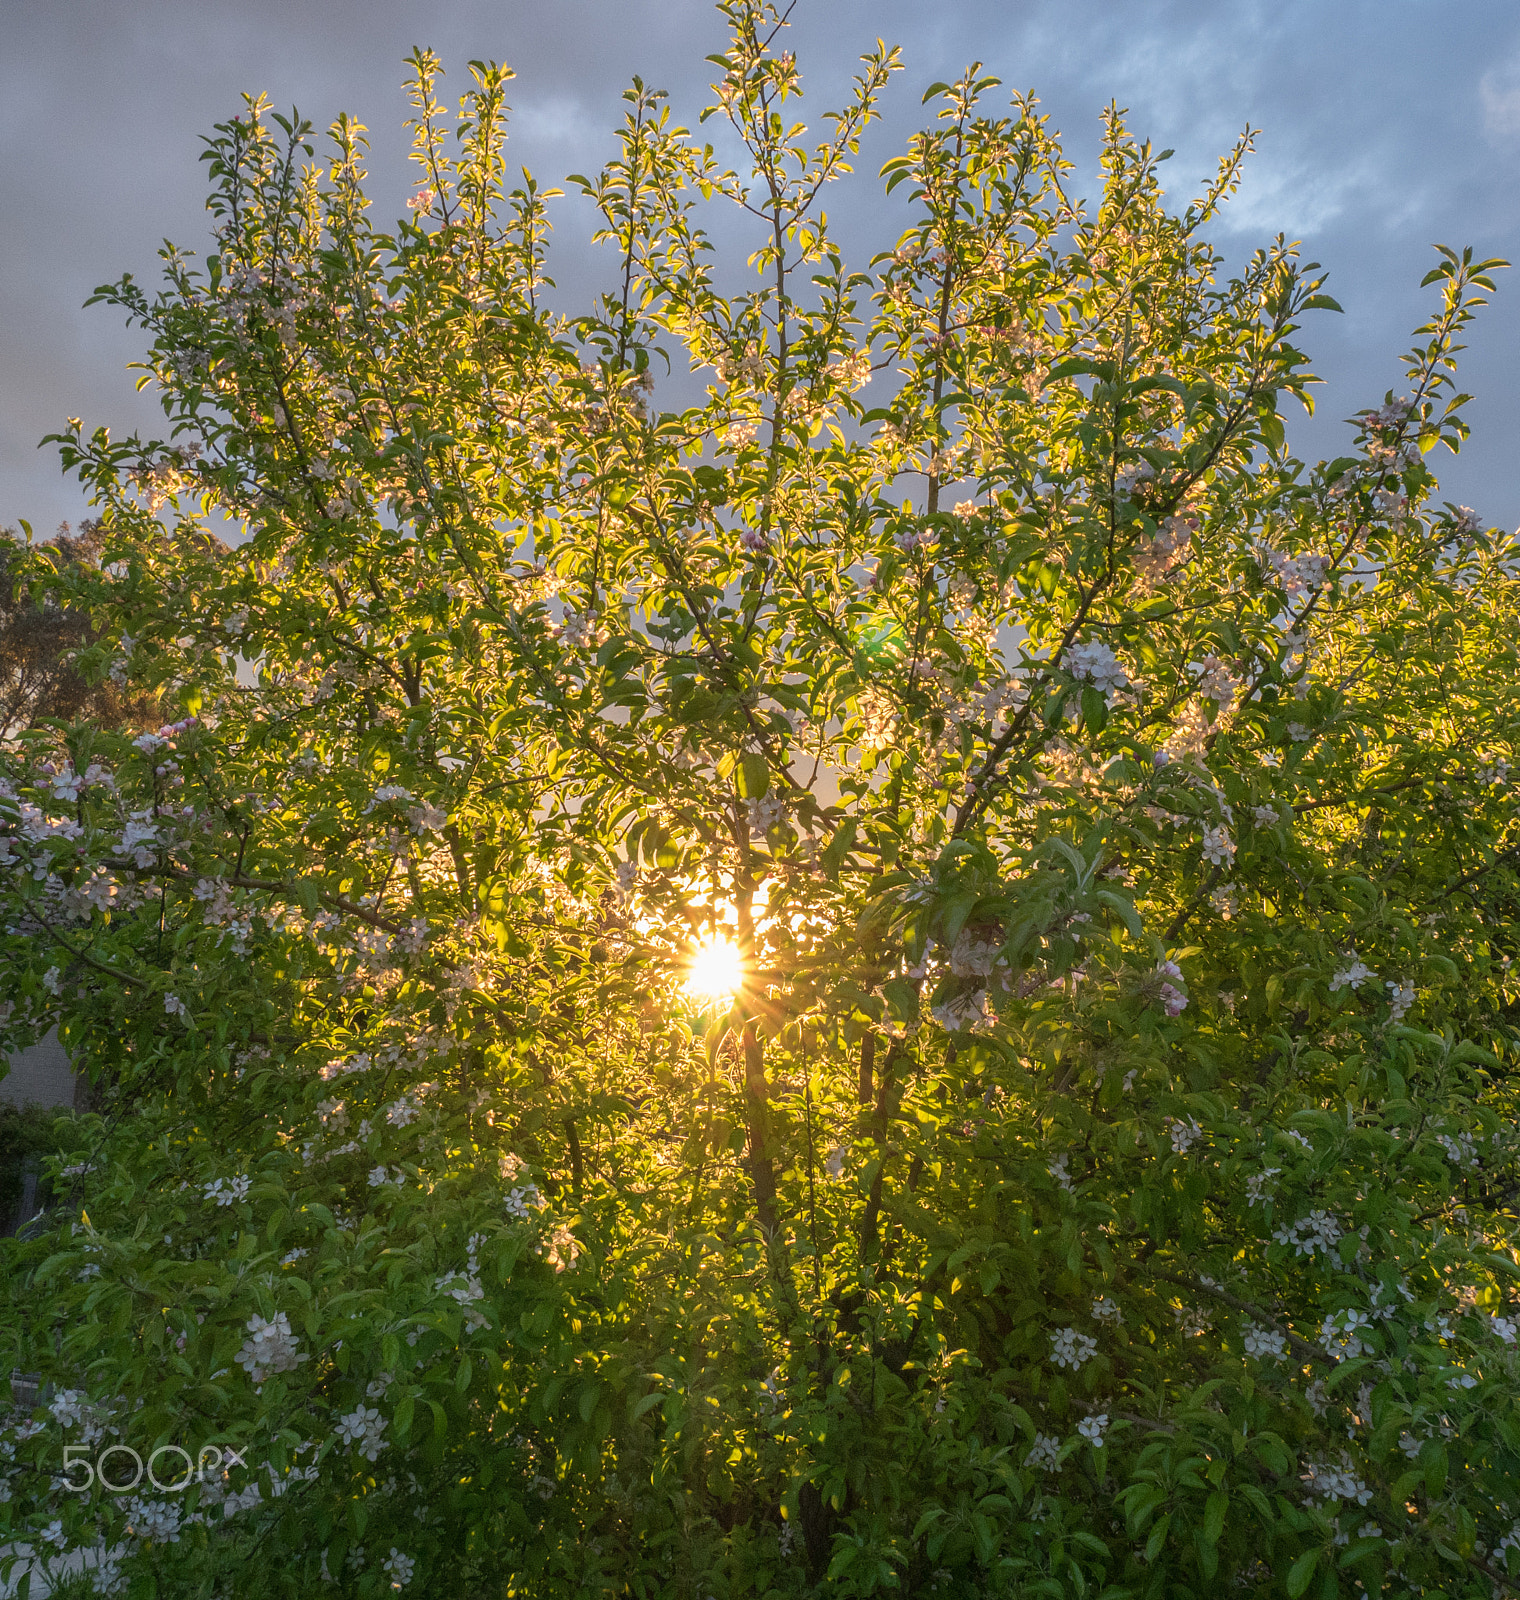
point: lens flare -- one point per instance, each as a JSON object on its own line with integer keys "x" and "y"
{"x": 716, "y": 971}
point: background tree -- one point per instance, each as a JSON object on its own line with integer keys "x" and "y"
{"x": 38, "y": 678}
{"x": 778, "y": 996}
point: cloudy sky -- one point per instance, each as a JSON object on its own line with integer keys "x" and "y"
{"x": 1386, "y": 125}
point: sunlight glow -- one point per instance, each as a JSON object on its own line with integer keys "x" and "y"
{"x": 716, "y": 971}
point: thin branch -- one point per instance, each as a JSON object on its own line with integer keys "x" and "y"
{"x": 1300, "y": 1347}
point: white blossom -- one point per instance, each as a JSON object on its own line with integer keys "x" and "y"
{"x": 404, "y": 1111}
{"x": 137, "y": 838}
{"x": 1094, "y": 663}
{"x": 364, "y": 1428}
{"x": 1461, "y": 1149}
{"x": 1336, "y": 1483}
{"x": 1044, "y": 1453}
{"x": 68, "y": 1406}
{"x": 1297, "y": 575}
{"x": 1216, "y": 682}
{"x": 1382, "y": 1310}
{"x": 1353, "y": 975}
{"x": 155, "y": 1521}
{"x": 853, "y": 371}
{"x": 765, "y": 813}
{"x": 1068, "y": 1348}
{"x": 1316, "y": 1234}
{"x": 227, "y": 1191}
{"x": 1184, "y": 1134}
{"x": 1259, "y": 1185}
{"x": 969, "y": 1009}
{"x": 269, "y": 1348}
{"x": 100, "y": 891}
{"x": 1339, "y": 1334}
{"x": 1265, "y": 1343}
{"x": 580, "y": 630}
{"x": 1093, "y": 1429}
{"x": 426, "y": 818}
{"x": 1218, "y": 847}
{"x": 400, "y": 1568}
{"x": 465, "y": 1288}
{"x": 1154, "y": 558}
{"x": 910, "y": 539}
{"x": 1107, "y": 1311}
{"x": 106, "y": 1576}
{"x": 67, "y": 784}
{"x": 973, "y": 956}
{"x": 1173, "y": 1000}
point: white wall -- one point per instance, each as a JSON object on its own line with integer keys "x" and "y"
{"x": 40, "y": 1076}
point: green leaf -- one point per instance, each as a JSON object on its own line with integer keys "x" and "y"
{"x": 1122, "y": 908}
{"x": 845, "y": 1557}
{"x": 401, "y": 1418}
{"x": 839, "y": 847}
{"x": 753, "y": 776}
{"x": 1301, "y": 1572}
{"x": 1158, "y": 1536}
{"x": 1433, "y": 1461}
{"x": 1094, "y": 709}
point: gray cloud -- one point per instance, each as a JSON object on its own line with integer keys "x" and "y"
{"x": 1386, "y": 125}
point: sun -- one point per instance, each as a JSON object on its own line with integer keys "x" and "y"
{"x": 716, "y": 971}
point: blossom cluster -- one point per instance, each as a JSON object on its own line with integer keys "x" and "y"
{"x": 271, "y": 1347}
{"x": 363, "y": 1428}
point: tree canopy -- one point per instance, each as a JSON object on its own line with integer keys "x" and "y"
{"x": 823, "y": 929}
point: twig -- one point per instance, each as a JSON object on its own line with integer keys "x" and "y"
{"x": 332, "y": 901}
{"x": 1301, "y": 1347}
